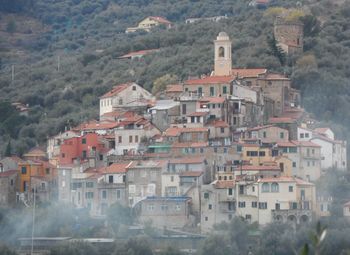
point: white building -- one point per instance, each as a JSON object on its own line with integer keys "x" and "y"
{"x": 124, "y": 96}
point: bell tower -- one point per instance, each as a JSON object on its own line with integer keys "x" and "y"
{"x": 223, "y": 58}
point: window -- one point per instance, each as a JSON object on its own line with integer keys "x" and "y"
{"x": 101, "y": 157}
{"x": 308, "y": 163}
{"x": 184, "y": 109}
{"x": 307, "y": 135}
{"x": 134, "y": 88}
{"x": 274, "y": 187}
{"x": 230, "y": 191}
{"x": 262, "y": 205}
{"x": 222, "y": 130}
{"x": 294, "y": 164}
{"x": 118, "y": 194}
{"x": 239, "y": 148}
{"x": 293, "y": 205}
{"x": 89, "y": 185}
{"x": 241, "y": 204}
{"x": 313, "y": 151}
{"x": 206, "y": 218}
{"x": 252, "y": 153}
{"x": 281, "y": 135}
{"x": 261, "y": 153}
{"x": 89, "y": 195}
{"x": 221, "y": 52}
{"x": 164, "y": 207}
{"x": 150, "y": 207}
{"x": 130, "y": 138}
{"x": 265, "y": 187}
{"x": 83, "y": 141}
{"x": 215, "y": 149}
{"x": 293, "y": 149}
{"x": 254, "y": 204}
{"x": 172, "y": 178}
{"x": 302, "y": 135}
{"x": 120, "y": 139}
{"x": 264, "y": 134}
{"x": 212, "y": 91}
{"x": 110, "y": 179}
{"x": 193, "y": 150}
{"x": 206, "y": 195}
{"x": 24, "y": 170}
{"x": 241, "y": 189}
{"x": 177, "y": 207}
{"x": 225, "y": 150}
{"x": 282, "y": 167}
{"x": 224, "y": 90}
{"x": 104, "y": 194}
{"x": 213, "y": 106}
{"x": 11, "y": 182}
{"x": 136, "y": 138}
{"x": 210, "y": 206}
{"x": 200, "y": 91}
{"x": 290, "y": 188}
{"x": 63, "y": 155}
{"x": 201, "y": 150}
{"x": 84, "y": 154}
{"x": 308, "y": 152}
{"x": 277, "y": 206}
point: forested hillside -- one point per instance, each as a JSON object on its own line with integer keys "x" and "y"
{"x": 67, "y": 56}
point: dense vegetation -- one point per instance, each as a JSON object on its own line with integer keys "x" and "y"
{"x": 63, "y": 72}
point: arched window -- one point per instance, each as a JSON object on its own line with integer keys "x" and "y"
{"x": 221, "y": 52}
{"x": 266, "y": 187}
{"x": 274, "y": 187}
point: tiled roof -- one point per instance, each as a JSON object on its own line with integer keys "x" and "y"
{"x": 248, "y": 72}
{"x": 116, "y": 90}
{"x": 35, "y": 151}
{"x": 160, "y": 19}
{"x": 115, "y": 168}
{"x": 274, "y": 76}
{"x": 281, "y": 120}
{"x": 174, "y": 88}
{"x": 258, "y": 168}
{"x": 8, "y": 173}
{"x": 139, "y": 53}
{"x": 260, "y": 127}
{"x": 211, "y": 80}
{"x": 306, "y": 144}
{"x": 286, "y": 144}
{"x": 285, "y": 179}
{"x": 218, "y": 123}
{"x": 176, "y": 131}
{"x": 213, "y": 100}
{"x": 147, "y": 164}
{"x": 197, "y": 114}
{"x": 224, "y": 184}
{"x": 187, "y": 160}
{"x": 100, "y": 125}
{"x": 321, "y": 130}
{"x": 191, "y": 174}
{"x": 190, "y": 145}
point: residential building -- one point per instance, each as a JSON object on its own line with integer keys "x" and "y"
{"x": 9, "y": 182}
{"x": 148, "y": 23}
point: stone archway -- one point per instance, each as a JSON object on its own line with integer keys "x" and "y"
{"x": 292, "y": 219}
{"x": 304, "y": 219}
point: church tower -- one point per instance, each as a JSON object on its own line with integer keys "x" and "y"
{"x": 223, "y": 58}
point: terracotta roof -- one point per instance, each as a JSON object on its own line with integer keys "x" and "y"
{"x": 248, "y": 72}
{"x": 116, "y": 90}
{"x": 160, "y": 19}
{"x": 176, "y": 131}
{"x": 218, "y": 123}
{"x": 187, "y": 160}
{"x": 274, "y": 76}
{"x": 347, "y": 204}
{"x": 137, "y": 53}
{"x": 286, "y": 144}
{"x": 258, "y": 168}
{"x": 260, "y": 127}
{"x": 35, "y": 151}
{"x": 190, "y": 145}
{"x": 306, "y": 144}
{"x": 211, "y": 80}
{"x": 281, "y": 120}
{"x": 321, "y": 130}
{"x": 285, "y": 179}
{"x": 8, "y": 173}
{"x": 224, "y": 184}
{"x": 213, "y": 100}
{"x": 100, "y": 125}
{"x": 115, "y": 168}
{"x": 197, "y": 114}
{"x": 191, "y": 174}
{"x": 174, "y": 88}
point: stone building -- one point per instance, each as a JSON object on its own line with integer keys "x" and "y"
{"x": 8, "y": 186}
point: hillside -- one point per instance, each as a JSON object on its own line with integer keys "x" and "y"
{"x": 69, "y": 57}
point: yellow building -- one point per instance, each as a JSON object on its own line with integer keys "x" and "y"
{"x": 255, "y": 154}
{"x": 148, "y": 23}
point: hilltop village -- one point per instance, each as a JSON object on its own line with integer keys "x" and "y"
{"x": 235, "y": 143}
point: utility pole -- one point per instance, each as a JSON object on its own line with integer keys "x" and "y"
{"x": 12, "y": 73}
{"x": 58, "y": 63}
{"x": 34, "y": 199}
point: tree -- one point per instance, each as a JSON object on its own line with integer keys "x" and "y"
{"x": 276, "y": 50}
{"x": 11, "y": 27}
{"x": 160, "y": 83}
{"x": 8, "y": 152}
{"x": 218, "y": 245}
{"x": 4, "y": 250}
{"x": 135, "y": 246}
{"x": 312, "y": 25}
{"x": 118, "y": 215}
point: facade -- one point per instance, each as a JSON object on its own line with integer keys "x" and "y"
{"x": 148, "y": 23}
{"x": 127, "y": 95}
{"x": 8, "y": 188}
